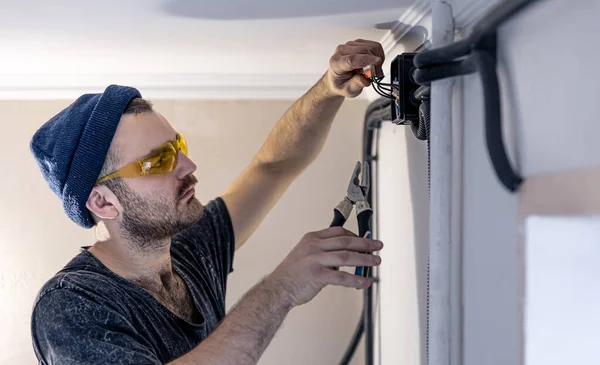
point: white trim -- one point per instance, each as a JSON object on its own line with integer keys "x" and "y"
{"x": 411, "y": 17}
{"x": 157, "y": 86}
{"x": 193, "y": 86}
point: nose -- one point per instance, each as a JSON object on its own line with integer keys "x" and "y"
{"x": 185, "y": 166}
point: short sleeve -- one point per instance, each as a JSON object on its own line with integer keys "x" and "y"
{"x": 69, "y": 328}
{"x": 213, "y": 237}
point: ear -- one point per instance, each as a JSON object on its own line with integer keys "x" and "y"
{"x": 103, "y": 203}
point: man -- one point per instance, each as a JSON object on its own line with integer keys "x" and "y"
{"x": 153, "y": 290}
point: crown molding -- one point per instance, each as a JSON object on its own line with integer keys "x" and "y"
{"x": 410, "y": 18}
{"x": 400, "y": 33}
{"x": 160, "y": 86}
{"x": 194, "y": 85}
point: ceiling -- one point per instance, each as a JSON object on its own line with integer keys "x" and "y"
{"x": 62, "y": 43}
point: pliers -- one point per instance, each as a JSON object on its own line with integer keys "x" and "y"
{"x": 356, "y": 195}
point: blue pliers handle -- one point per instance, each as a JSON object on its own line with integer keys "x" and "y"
{"x": 356, "y": 195}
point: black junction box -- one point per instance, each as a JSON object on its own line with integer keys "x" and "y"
{"x": 405, "y": 108}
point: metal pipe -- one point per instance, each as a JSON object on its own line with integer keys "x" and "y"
{"x": 438, "y": 331}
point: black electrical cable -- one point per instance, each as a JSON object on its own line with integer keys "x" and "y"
{"x": 487, "y": 25}
{"x": 480, "y": 46}
{"x": 486, "y": 64}
{"x": 389, "y": 86}
{"x": 377, "y": 111}
{"x": 382, "y": 86}
{"x": 381, "y": 93}
{"x": 442, "y": 55}
{"x": 367, "y": 149}
{"x": 424, "y": 76}
{"x": 384, "y": 89}
{"x": 422, "y": 92}
{"x": 421, "y": 127}
{"x": 425, "y": 123}
{"x": 354, "y": 342}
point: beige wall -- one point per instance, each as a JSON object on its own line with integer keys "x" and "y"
{"x": 36, "y": 238}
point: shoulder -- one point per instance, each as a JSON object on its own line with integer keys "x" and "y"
{"x": 79, "y": 298}
{"x": 70, "y": 325}
{"x": 80, "y": 281}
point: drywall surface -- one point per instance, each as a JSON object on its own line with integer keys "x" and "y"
{"x": 561, "y": 310}
{"x": 401, "y": 216}
{"x": 37, "y": 239}
{"x": 548, "y": 74}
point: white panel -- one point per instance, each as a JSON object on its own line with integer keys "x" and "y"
{"x": 489, "y": 220}
{"x": 402, "y": 225}
{"x": 562, "y": 296}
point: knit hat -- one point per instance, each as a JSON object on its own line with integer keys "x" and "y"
{"x": 70, "y": 148}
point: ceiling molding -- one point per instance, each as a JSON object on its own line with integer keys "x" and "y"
{"x": 286, "y": 86}
{"x": 400, "y": 32}
{"x": 160, "y": 86}
{"x": 410, "y": 18}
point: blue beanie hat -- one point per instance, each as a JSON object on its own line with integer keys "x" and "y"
{"x": 70, "y": 148}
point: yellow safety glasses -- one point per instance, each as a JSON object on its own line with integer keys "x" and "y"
{"x": 160, "y": 161}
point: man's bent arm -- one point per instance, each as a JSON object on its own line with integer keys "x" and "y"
{"x": 293, "y": 144}
{"x": 244, "y": 334}
{"x": 298, "y": 137}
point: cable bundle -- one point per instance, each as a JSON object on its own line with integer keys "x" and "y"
{"x": 477, "y": 53}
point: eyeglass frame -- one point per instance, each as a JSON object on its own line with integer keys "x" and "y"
{"x": 144, "y": 165}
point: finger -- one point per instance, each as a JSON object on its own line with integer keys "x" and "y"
{"x": 333, "y": 232}
{"x": 346, "y": 49}
{"x": 347, "y": 258}
{"x": 374, "y": 47}
{"x": 341, "y": 64}
{"x": 350, "y": 243}
{"x": 360, "y": 81}
{"x": 341, "y": 278}
{"x": 379, "y": 71}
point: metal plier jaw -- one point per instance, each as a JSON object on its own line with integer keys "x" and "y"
{"x": 356, "y": 194}
{"x": 358, "y": 190}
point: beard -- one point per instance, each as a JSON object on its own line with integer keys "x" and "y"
{"x": 149, "y": 219}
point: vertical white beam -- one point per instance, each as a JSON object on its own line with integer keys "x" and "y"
{"x": 441, "y": 195}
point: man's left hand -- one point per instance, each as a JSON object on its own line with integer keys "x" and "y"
{"x": 344, "y": 76}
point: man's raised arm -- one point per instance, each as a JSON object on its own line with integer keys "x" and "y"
{"x": 298, "y": 137}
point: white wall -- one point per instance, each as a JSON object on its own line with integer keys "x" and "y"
{"x": 37, "y": 240}
{"x": 402, "y": 212}
{"x": 549, "y": 79}
{"x": 402, "y": 216}
{"x": 489, "y": 254}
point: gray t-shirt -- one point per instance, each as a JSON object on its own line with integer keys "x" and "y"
{"x": 86, "y": 314}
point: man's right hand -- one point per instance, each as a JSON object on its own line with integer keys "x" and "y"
{"x": 244, "y": 334}
{"x": 310, "y": 266}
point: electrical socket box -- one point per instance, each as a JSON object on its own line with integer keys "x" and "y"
{"x": 405, "y": 109}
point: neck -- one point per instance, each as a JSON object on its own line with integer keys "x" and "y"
{"x": 149, "y": 268}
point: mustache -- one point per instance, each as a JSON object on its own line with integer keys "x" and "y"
{"x": 186, "y": 183}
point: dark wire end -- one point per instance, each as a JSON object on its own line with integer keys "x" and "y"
{"x": 381, "y": 88}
